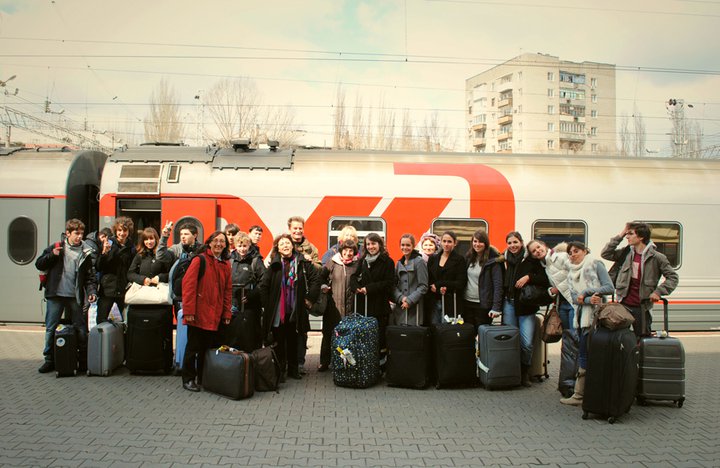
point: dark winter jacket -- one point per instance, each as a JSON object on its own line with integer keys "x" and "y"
{"x": 490, "y": 282}
{"x": 452, "y": 275}
{"x": 379, "y": 280}
{"x": 307, "y": 286}
{"x": 536, "y": 271}
{"x": 85, "y": 281}
{"x": 247, "y": 273}
{"x": 146, "y": 265}
{"x": 114, "y": 266}
{"x": 208, "y": 299}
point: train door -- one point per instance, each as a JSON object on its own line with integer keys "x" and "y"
{"x": 145, "y": 212}
{"x": 26, "y": 234}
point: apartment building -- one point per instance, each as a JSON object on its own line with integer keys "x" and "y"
{"x": 537, "y": 103}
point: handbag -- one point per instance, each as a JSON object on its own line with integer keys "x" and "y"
{"x": 552, "y": 325}
{"x": 533, "y": 295}
{"x": 318, "y": 309}
{"x": 613, "y": 316}
{"x": 138, "y": 294}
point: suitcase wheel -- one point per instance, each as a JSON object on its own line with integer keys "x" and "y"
{"x": 680, "y": 402}
{"x": 57, "y": 374}
{"x": 88, "y": 373}
{"x": 611, "y": 420}
{"x": 641, "y": 401}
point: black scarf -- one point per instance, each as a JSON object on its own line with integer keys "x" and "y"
{"x": 513, "y": 262}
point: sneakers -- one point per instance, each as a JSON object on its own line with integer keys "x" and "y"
{"x": 191, "y": 386}
{"x": 48, "y": 366}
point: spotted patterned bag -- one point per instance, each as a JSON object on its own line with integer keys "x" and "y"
{"x": 356, "y": 352}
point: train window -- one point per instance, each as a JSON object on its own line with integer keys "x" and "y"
{"x": 173, "y": 175}
{"x": 364, "y": 226}
{"x": 22, "y": 240}
{"x": 554, "y": 232}
{"x": 667, "y": 236}
{"x": 182, "y": 222}
{"x": 464, "y": 229}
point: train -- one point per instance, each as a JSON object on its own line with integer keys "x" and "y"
{"x": 550, "y": 197}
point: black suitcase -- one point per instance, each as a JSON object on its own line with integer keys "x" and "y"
{"x": 149, "y": 345}
{"x": 662, "y": 366}
{"x": 612, "y": 373}
{"x": 229, "y": 372}
{"x": 410, "y": 355}
{"x": 243, "y": 330}
{"x": 454, "y": 351}
{"x": 65, "y": 346}
{"x": 569, "y": 350}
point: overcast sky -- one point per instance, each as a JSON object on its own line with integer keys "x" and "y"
{"x": 101, "y": 60}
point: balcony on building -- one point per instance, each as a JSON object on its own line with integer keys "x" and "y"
{"x": 572, "y": 137}
{"x": 505, "y": 151}
{"x": 505, "y": 119}
{"x": 478, "y": 142}
{"x": 478, "y": 127}
{"x": 504, "y": 136}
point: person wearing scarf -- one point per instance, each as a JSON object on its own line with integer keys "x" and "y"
{"x": 288, "y": 289}
{"x": 411, "y": 274}
{"x": 588, "y": 281}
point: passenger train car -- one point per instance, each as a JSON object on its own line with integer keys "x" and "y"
{"x": 551, "y": 197}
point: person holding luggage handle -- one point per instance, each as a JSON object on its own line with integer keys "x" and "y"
{"x": 637, "y": 285}
{"x": 411, "y": 276}
{"x": 588, "y": 281}
{"x": 206, "y": 302}
{"x": 447, "y": 275}
{"x": 522, "y": 270}
{"x": 483, "y": 297}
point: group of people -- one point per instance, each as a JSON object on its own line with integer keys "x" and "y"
{"x": 429, "y": 284}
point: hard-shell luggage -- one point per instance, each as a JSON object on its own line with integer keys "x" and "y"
{"x": 148, "y": 347}
{"x": 612, "y": 373}
{"x": 410, "y": 355}
{"x": 356, "y": 351}
{"x": 267, "y": 369}
{"x": 569, "y": 351}
{"x": 181, "y": 337}
{"x": 539, "y": 363}
{"x": 662, "y": 366}
{"x": 454, "y": 350}
{"x": 65, "y": 350}
{"x": 229, "y": 372}
{"x": 498, "y": 359}
{"x": 106, "y": 348}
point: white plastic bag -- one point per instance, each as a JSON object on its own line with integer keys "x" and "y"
{"x": 92, "y": 316}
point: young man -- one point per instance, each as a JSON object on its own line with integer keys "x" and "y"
{"x": 188, "y": 243}
{"x": 255, "y": 232}
{"x": 296, "y": 228}
{"x": 637, "y": 282}
{"x": 70, "y": 280}
{"x": 231, "y": 231}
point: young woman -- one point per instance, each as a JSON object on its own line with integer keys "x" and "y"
{"x": 557, "y": 267}
{"x": 522, "y": 271}
{"x": 145, "y": 268}
{"x": 483, "y": 298}
{"x": 412, "y": 283}
{"x": 113, "y": 264}
{"x": 447, "y": 277}
{"x": 336, "y": 274}
{"x": 206, "y": 302}
{"x": 589, "y": 281}
{"x": 289, "y": 287}
{"x": 373, "y": 282}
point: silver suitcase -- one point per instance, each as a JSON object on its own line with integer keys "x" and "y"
{"x": 106, "y": 348}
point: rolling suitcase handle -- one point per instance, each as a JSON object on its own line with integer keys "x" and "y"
{"x": 355, "y": 309}
{"x": 442, "y": 301}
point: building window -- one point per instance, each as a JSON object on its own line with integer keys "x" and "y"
{"x": 551, "y": 76}
{"x": 593, "y": 97}
{"x": 551, "y": 127}
{"x": 594, "y": 147}
{"x": 568, "y": 77}
{"x": 593, "y": 82}
{"x": 492, "y": 102}
{"x": 551, "y": 144}
{"x": 519, "y": 109}
{"x": 593, "y": 113}
{"x": 519, "y": 76}
{"x": 593, "y": 131}
{"x": 22, "y": 240}
{"x": 519, "y": 144}
{"x": 551, "y": 92}
{"x": 554, "y": 232}
{"x": 551, "y": 110}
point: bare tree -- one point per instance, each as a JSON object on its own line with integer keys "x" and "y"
{"x": 640, "y": 133}
{"x": 233, "y": 106}
{"x": 624, "y": 135}
{"x": 407, "y": 133}
{"x": 164, "y": 122}
{"x": 340, "y": 133}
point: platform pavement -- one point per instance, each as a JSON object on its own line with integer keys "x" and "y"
{"x": 127, "y": 420}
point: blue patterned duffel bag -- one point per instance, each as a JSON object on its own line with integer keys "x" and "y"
{"x": 356, "y": 352}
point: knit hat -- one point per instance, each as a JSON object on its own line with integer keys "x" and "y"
{"x": 433, "y": 237}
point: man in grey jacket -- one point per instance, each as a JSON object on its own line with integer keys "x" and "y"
{"x": 638, "y": 282}
{"x": 188, "y": 243}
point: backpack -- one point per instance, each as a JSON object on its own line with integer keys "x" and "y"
{"x": 178, "y": 270}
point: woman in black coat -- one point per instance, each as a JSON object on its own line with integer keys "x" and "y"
{"x": 288, "y": 288}
{"x": 448, "y": 276}
{"x": 145, "y": 268}
{"x": 113, "y": 264}
{"x": 373, "y": 282}
{"x": 522, "y": 270}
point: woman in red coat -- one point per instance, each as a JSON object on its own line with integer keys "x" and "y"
{"x": 206, "y": 298}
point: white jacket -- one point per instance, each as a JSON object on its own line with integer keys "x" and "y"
{"x": 557, "y": 266}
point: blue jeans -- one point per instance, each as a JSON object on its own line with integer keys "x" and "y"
{"x": 526, "y": 324}
{"x": 567, "y": 314}
{"x": 55, "y": 307}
